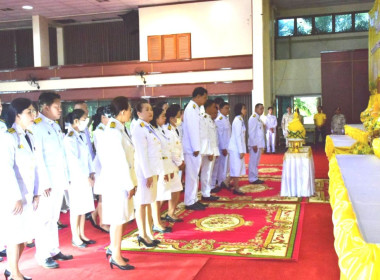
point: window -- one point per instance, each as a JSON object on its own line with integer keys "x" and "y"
{"x": 323, "y": 24}
{"x": 361, "y": 21}
{"x": 304, "y": 26}
{"x": 343, "y": 23}
{"x": 286, "y": 27}
{"x": 169, "y": 47}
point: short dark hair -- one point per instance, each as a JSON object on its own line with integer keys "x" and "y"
{"x": 138, "y": 107}
{"x": 74, "y": 115}
{"x": 161, "y": 103}
{"x": 16, "y": 107}
{"x": 221, "y": 105}
{"x": 258, "y": 105}
{"x": 47, "y": 98}
{"x": 172, "y": 112}
{"x": 237, "y": 109}
{"x": 208, "y": 103}
{"x": 269, "y": 108}
{"x": 219, "y": 100}
{"x": 119, "y": 104}
{"x": 199, "y": 91}
{"x": 101, "y": 111}
{"x": 157, "y": 111}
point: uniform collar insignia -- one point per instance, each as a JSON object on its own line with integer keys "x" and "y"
{"x": 112, "y": 125}
{"x": 240, "y": 118}
{"x": 220, "y": 118}
{"x": 254, "y": 115}
{"x": 29, "y": 131}
{"x": 169, "y": 127}
{"x": 194, "y": 106}
{"x": 1, "y": 120}
{"x": 11, "y": 130}
{"x": 71, "y": 133}
{"x": 142, "y": 124}
{"x": 101, "y": 128}
{"x": 20, "y": 146}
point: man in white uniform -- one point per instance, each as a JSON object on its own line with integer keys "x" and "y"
{"x": 209, "y": 148}
{"x": 286, "y": 119}
{"x": 271, "y": 125}
{"x": 192, "y": 147}
{"x": 256, "y": 143}
{"x": 220, "y": 175}
{"x": 53, "y": 179}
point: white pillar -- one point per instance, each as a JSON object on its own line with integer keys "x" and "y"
{"x": 261, "y": 52}
{"x": 41, "y": 41}
{"x": 60, "y": 46}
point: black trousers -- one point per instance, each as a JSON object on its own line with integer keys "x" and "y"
{"x": 320, "y": 131}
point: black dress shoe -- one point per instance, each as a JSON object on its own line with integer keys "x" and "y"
{"x": 165, "y": 230}
{"x": 202, "y": 205}
{"x": 238, "y": 192}
{"x": 89, "y": 242}
{"x": 7, "y": 274}
{"x": 122, "y": 267}
{"x": 109, "y": 253}
{"x": 195, "y": 207}
{"x": 224, "y": 186}
{"x": 50, "y": 263}
{"x": 61, "y": 226}
{"x": 62, "y": 257}
{"x": 172, "y": 220}
{"x": 3, "y": 253}
{"x": 143, "y": 241}
{"x": 211, "y": 198}
{"x": 258, "y": 181}
{"x": 82, "y": 245}
{"x": 216, "y": 190}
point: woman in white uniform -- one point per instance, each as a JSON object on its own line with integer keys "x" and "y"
{"x": 19, "y": 184}
{"x": 237, "y": 147}
{"x": 167, "y": 174}
{"x": 172, "y": 115}
{"x": 118, "y": 178}
{"x": 82, "y": 176}
{"x": 148, "y": 165}
{"x": 101, "y": 119}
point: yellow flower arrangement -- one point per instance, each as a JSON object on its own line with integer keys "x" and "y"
{"x": 296, "y": 129}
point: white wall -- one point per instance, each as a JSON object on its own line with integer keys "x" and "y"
{"x": 218, "y": 28}
{"x": 297, "y": 76}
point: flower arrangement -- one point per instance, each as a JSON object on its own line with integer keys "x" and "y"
{"x": 362, "y": 149}
{"x": 296, "y": 129}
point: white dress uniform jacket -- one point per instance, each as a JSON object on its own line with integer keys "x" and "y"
{"x": 118, "y": 175}
{"x": 89, "y": 143}
{"x": 3, "y": 126}
{"x": 286, "y": 119}
{"x": 191, "y": 143}
{"x": 148, "y": 161}
{"x": 80, "y": 166}
{"x": 176, "y": 156}
{"x": 221, "y": 167}
{"x": 271, "y": 122}
{"x": 98, "y": 134}
{"x": 54, "y": 174}
{"x": 237, "y": 146}
{"x": 256, "y": 138}
{"x": 19, "y": 181}
{"x": 209, "y": 146}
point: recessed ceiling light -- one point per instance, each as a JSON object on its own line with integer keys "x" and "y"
{"x": 27, "y": 7}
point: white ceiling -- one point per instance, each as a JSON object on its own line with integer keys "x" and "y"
{"x": 90, "y": 10}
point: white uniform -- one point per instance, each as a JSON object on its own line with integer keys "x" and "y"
{"x": 118, "y": 175}
{"x": 164, "y": 191}
{"x": 256, "y": 138}
{"x": 89, "y": 143}
{"x": 148, "y": 161}
{"x": 271, "y": 122}
{"x": 19, "y": 181}
{"x": 53, "y": 173}
{"x": 236, "y": 147}
{"x": 191, "y": 143}
{"x": 80, "y": 167}
{"x": 176, "y": 156}
{"x": 98, "y": 134}
{"x": 286, "y": 119}
{"x": 222, "y": 166}
{"x": 3, "y": 126}
{"x": 209, "y": 146}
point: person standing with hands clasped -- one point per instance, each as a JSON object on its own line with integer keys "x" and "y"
{"x": 19, "y": 193}
{"x": 256, "y": 143}
{"x": 271, "y": 125}
{"x": 191, "y": 148}
{"x": 237, "y": 147}
{"x": 82, "y": 176}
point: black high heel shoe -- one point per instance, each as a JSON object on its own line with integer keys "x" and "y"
{"x": 122, "y": 267}
{"x": 109, "y": 254}
{"x": 143, "y": 241}
{"x": 7, "y": 274}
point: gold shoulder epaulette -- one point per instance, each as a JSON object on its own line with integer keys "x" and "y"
{"x": 194, "y": 106}
{"x": 112, "y": 125}
{"x": 71, "y": 133}
{"x": 38, "y": 120}
{"x": 11, "y": 130}
{"x": 169, "y": 127}
{"x": 254, "y": 115}
{"x": 205, "y": 116}
{"x": 142, "y": 124}
{"x": 1, "y": 120}
{"x": 240, "y": 118}
{"x": 220, "y": 118}
{"x": 57, "y": 122}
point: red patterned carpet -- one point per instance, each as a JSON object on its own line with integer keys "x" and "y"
{"x": 316, "y": 258}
